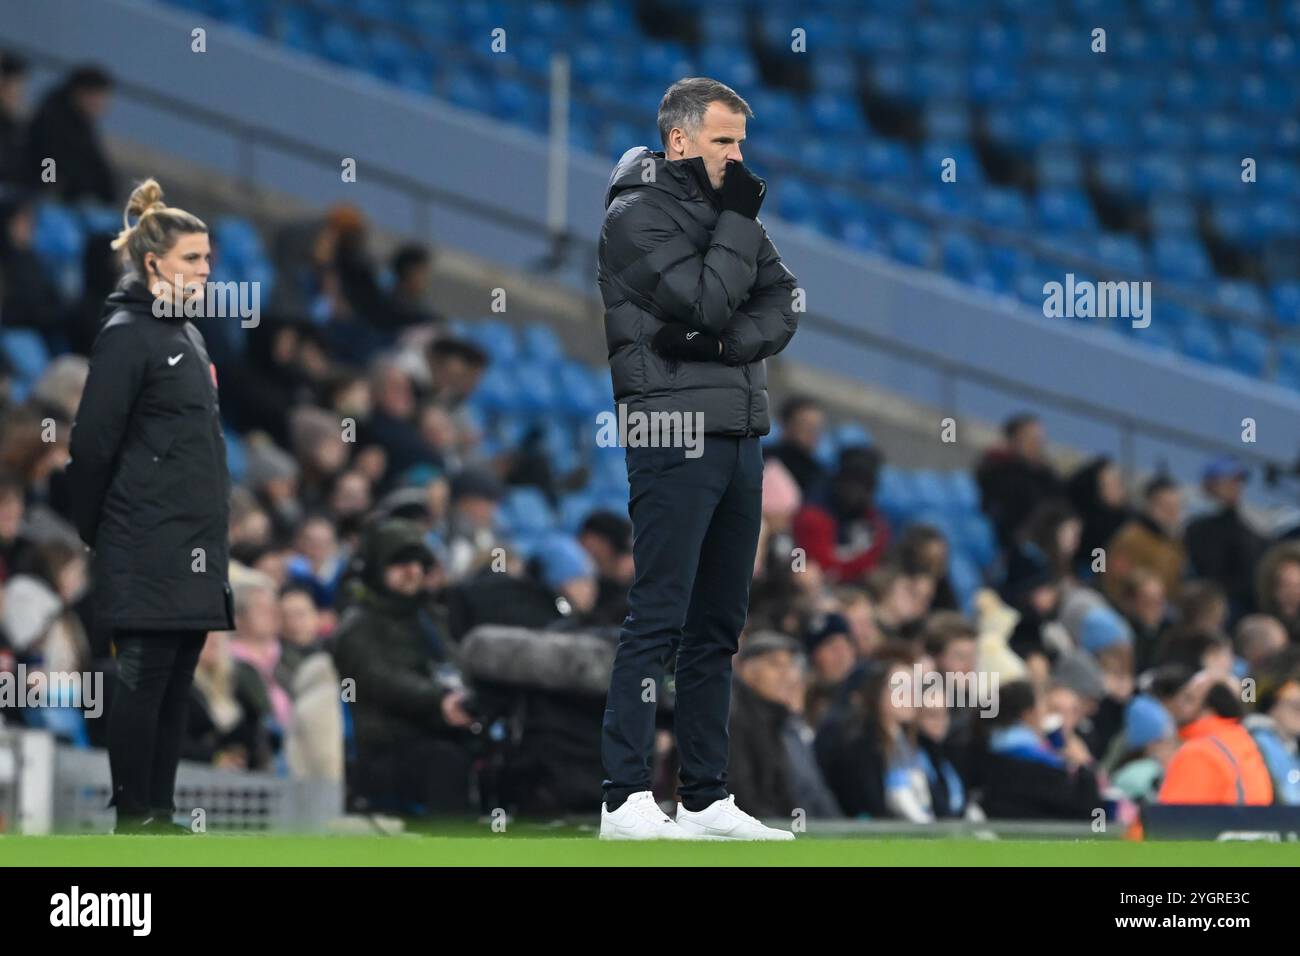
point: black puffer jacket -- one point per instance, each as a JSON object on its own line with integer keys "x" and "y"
{"x": 386, "y": 646}
{"x": 147, "y": 482}
{"x": 667, "y": 253}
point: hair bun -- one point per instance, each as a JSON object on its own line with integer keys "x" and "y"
{"x": 145, "y": 198}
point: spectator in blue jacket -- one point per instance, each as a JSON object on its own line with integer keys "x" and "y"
{"x": 1275, "y": 726}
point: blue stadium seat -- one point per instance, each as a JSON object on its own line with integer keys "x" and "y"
{"x": 66, "y": 723}
{"x": 1288, "y": 365}
{"x": 965, "y": 579}
{"x": 236, "y": 454}
{"x": 1122, "y": 253}
{"x": 850, "y": 435}
{"x": 1063, "y": 210}
{"x": 1286, "y": 302}
{"x": 57, "y": 237}
{"x": 525, "y": 510}
{"x": 1181, "y": 258}
{"x": 885, "y": 160}
{"x": 962, "y": 255}
{"x": 25, "y": 352}
{"x": 495, "y": 337}
{"x": 911, "y": 242}
{"x": 1248, "y": 350}
{"x": 1201, "y": 340}
{"x": 978, "y": 537}
{"x": 1004, "y": 208}
{"x": 1171, "y": 214}
{"x": 963, "y": 491}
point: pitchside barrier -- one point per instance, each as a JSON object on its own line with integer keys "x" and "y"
{"x": 48, "y": 787}
{"x": 1272, "y": 824}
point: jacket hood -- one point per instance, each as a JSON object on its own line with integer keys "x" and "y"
{"x": 380, "y": 544}
{"x": 131, "y": 295}
{"x": 683, "y": 179}
{"x": 389, "y": 539}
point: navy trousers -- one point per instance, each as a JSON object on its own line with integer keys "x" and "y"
{"x": 695, "y": 524}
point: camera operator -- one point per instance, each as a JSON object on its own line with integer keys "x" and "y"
{"x": 410, "y": 713}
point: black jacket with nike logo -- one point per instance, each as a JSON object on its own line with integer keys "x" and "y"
{"x": 148, "y": 483}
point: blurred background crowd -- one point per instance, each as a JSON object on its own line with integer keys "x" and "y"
{"x": 405, "y": 477}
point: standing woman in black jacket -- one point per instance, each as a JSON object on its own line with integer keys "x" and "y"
{"x": 151, "y": 496}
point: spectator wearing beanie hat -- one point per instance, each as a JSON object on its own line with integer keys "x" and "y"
{"x": 272, "y": 475}
{"x": 828, "y": 642}
{"x": 758, "y": 768}
{"x": 1149, "y": 739}
{"x": 1107, "y": 637}
{"x": 471, "y": 533}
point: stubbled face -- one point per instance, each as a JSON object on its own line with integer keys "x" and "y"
{"x": 717, "y": 141}
{"x": 183, "y": 272}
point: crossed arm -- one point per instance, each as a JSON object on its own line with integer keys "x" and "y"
{"x": 737, "y": 289}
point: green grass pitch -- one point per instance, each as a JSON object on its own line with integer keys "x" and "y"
{"x": 532, "y": 849}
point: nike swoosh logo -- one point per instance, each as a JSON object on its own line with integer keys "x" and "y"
{"x": 691, "y": 335}
{"x": 173, "y": 359}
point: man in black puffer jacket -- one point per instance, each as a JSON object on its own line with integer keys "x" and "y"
{"x": 696, "y": 297}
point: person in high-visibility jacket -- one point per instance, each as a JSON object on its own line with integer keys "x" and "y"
{"x": 1219, "y": 762}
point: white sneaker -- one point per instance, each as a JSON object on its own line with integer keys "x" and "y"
{"x": 639, "y": 818}
{"x": 723, "y": 820}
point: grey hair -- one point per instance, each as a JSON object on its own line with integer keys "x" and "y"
{"x": 686, "y": 101}
{"x": 246, "y": 585}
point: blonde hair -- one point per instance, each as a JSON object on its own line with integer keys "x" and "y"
{"x": 156, "y": 228}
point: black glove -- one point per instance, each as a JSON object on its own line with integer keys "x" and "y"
{"x": 677, "y": 341}
{"x": 741, "y": 190}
